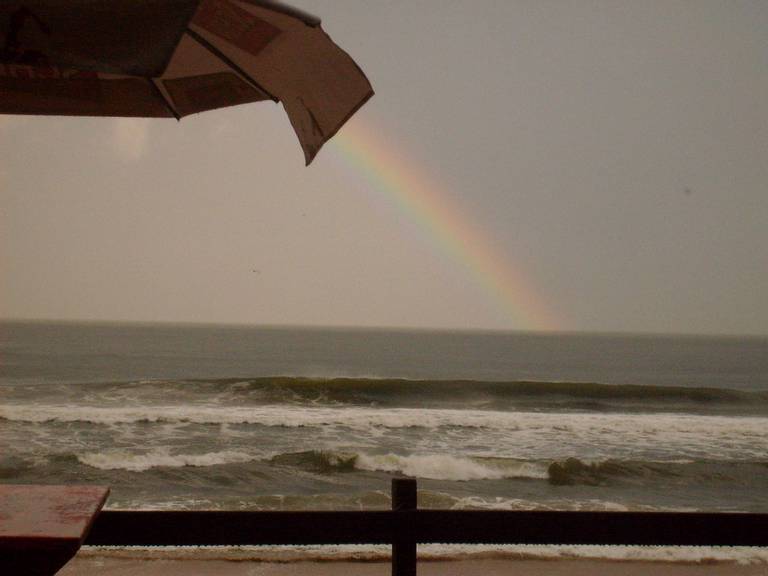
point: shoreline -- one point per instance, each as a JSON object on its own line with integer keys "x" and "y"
{"x": 100, "y": 566}
{"x": 434, "y": 553}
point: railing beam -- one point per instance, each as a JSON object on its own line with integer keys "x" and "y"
{"x": 406, "y": 525}
{"x": 599, "y": 528}
{"x": 197, "y": 528}
{"x": 230, "y": 528}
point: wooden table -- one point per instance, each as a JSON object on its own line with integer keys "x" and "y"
{"x": 43, "y": 527}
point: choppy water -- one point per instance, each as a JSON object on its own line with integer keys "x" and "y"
{"x": 245, "y": 418}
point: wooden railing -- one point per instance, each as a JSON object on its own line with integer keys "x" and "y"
{"x": 405, "y": 526}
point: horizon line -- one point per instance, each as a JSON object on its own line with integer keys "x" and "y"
{"x": 378, "y": 328}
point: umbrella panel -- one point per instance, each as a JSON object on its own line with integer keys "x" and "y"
{"x": 51, "y": 91}
{"x": 129, "y": 37}
{"x": 171, "y": 58}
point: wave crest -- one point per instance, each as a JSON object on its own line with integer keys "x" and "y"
{"x": 322, "y": 461}
{"x": 572, "y": 471}
{"x": 123, "y": 460}
{"x": 430, "y": 466}
{"x": 447, "y": 467}
{"x": 462, "y": 394}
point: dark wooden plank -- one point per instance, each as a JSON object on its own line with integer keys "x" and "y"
{"x": 618, "y": 528}
{"x": 449, "y": 526}
{"x": 152, "y": 528}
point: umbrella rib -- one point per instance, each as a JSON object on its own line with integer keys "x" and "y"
{"x": 165, "y": 100}
{"x": 221, "y": 56}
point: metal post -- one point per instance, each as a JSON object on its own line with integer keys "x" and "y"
{"x": 404, "y": 544}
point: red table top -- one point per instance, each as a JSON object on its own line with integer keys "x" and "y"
{"x": 31, "y": 516}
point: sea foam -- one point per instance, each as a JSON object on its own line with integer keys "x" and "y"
{"x": 508, "y": 434}
{"x": 123, "y": 460}
{"x": 447, "y": 467}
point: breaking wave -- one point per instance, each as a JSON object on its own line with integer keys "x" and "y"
{"x": 492, "y": 395}
{"x": 446, "y": 467}
{"x": 124, "y": 460}
{"x": 266, "y": 415}
{"x": 288, "y": 416}
{"x": 431, "y": 466}
{"x": 401, "y": 393}
{"x": 154, "y": 467}
{"x": 567, "y": 472}
{"x": 572, "y": 471}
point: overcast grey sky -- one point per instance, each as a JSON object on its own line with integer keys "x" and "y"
{"x": 614, "y": 155}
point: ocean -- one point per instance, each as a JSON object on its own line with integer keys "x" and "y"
{"x": 248, "y": 418}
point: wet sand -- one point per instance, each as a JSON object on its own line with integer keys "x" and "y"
{"x": 100, "y": 566}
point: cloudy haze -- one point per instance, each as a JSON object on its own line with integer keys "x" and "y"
{"x": 613, "y": 154}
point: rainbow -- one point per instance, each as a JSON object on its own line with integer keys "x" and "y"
{"x": 421, "y": 199}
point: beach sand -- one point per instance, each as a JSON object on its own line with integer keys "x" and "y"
{"x": 100, "y": 566}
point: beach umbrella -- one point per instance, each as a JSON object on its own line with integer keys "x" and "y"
{"x": 172, "y": 58}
